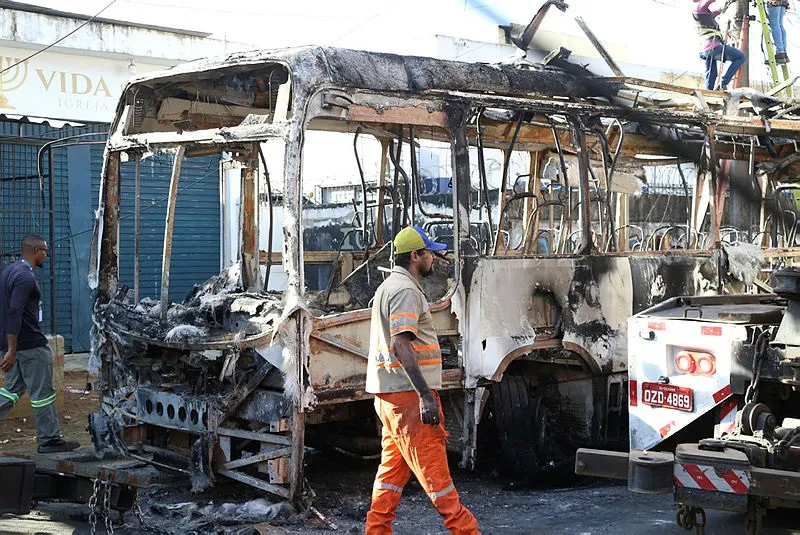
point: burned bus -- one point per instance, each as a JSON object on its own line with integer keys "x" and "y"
{"x": 531, "y": 298}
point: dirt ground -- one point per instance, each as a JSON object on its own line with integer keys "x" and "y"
{"x": 19, "y": 434}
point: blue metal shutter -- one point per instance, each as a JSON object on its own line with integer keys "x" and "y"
{"x": 22, "y": 212}
{"x": 196, "y": 237}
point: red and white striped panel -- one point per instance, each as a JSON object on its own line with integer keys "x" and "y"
{"x": 697, "y": 476}
{"x": 727, "y": 418}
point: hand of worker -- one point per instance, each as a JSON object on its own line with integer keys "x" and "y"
{"x": 429, "y": 409}
{"x": 8, "y": 361}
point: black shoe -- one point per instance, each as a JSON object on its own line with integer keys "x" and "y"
{"x": 57, "y": 445}
{"x": 781, "y": 58}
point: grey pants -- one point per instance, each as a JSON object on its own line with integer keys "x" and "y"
{"x": 33, "y": 371}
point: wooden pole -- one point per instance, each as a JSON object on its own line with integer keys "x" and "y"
{"x": 381, "y": 192}
{"x": 168, "y": 228}
{"x": 136, "y": 234}
{"x": 251, "y": 271}
{"x": 741, "y": 25}
{"x": 109, "y": 242}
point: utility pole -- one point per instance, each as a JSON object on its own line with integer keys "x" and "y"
{"x": 741, "y": 185}
{"x": 741, "y": 28}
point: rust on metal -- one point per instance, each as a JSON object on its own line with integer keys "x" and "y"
{"x": 168, "y": 230}
{"x": 251, "y": 272}
{"x": 120, "y": 470}
{"x": 108, "y": 245}
{"x": 542, "y": 295}
{"x": 769, "y": 483}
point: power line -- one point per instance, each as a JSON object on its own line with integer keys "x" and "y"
{"x": 237, "y": 12}
{"x": 54, "y": 43}
{"x": 360, "y": 24}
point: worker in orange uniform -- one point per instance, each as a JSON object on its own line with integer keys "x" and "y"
{"x": 404, "y": 371}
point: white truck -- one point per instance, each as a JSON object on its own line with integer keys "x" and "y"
{"x": 713, "y": 404}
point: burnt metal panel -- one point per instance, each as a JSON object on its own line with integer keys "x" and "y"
{"x": 394, "y": 72}
{"x": 185, "y": 412}
{"x": 742, "y": 366}
{"x": 264, "y": 406}
{"x": 659, "y": 277}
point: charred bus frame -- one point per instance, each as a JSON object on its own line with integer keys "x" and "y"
{"x": 540, "y": 323}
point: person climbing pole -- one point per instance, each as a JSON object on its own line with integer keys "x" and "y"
{"x": 714, "y": 49}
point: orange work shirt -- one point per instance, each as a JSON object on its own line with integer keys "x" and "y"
{"x": 400, "y": 306}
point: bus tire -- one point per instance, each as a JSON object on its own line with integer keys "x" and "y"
{"x": 514, "y": 419}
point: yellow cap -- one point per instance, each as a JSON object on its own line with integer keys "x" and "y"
{"x": 413, "y": 239}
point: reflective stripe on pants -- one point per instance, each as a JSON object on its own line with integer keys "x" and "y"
{"x": 33, "y": 371}
{"x": 409, "y": 446}
{"x": 11, "y": 396}
{"x": 37, "y": 403}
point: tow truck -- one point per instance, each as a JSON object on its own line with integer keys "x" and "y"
{"x": 714, "y": 418}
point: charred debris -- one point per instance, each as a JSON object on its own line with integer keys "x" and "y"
{"x": 224, "y": 383}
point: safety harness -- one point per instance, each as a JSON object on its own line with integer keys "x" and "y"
{"x": 707, "y": 26}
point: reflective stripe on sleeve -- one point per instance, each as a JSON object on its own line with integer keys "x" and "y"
{"x": 388, "y": 486}
{"x": 708, "y": 33}
{"x": 409, "y": 315}
{"x": 429, "y": 347}
{"x": 39, "y": 403}
{"x": 402, "y": 328}
{"x": 396, "y": 363}
{"x": 434, "y": 495}
{"x": 11, "y": 396}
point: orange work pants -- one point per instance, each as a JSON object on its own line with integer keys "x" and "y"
{"x": 411, "y": 446}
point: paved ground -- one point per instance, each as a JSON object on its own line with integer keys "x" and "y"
{"x": 586, "y": 507}
{"x": 582, "y": 507}
{"x": 343, "y": 490}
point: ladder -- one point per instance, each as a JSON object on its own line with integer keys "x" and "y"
{"x": 770, "y": 46}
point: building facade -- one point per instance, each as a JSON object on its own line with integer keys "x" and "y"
{"x": 55, "y": 109}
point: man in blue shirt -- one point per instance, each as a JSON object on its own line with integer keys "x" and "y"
{"x": 27, "y": 360}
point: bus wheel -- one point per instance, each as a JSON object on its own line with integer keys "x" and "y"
{"x": 514, "y": 418}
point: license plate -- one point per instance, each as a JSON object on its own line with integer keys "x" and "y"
{"x": 669, "y": 396}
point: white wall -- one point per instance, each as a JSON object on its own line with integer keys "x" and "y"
{"x": 81, "y": 78}
{"x": 106, "y": 39}
{"x": 230, "y": 212}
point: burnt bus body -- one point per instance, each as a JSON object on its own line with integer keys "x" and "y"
{"x": 531, "y": 299}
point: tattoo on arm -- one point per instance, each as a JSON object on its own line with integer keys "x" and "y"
{"x": 401, "y": 348}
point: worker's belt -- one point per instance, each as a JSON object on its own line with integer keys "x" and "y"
{"x": 778, "y": 3}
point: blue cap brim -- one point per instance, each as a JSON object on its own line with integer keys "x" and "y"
{"x": 433, "y": 246}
